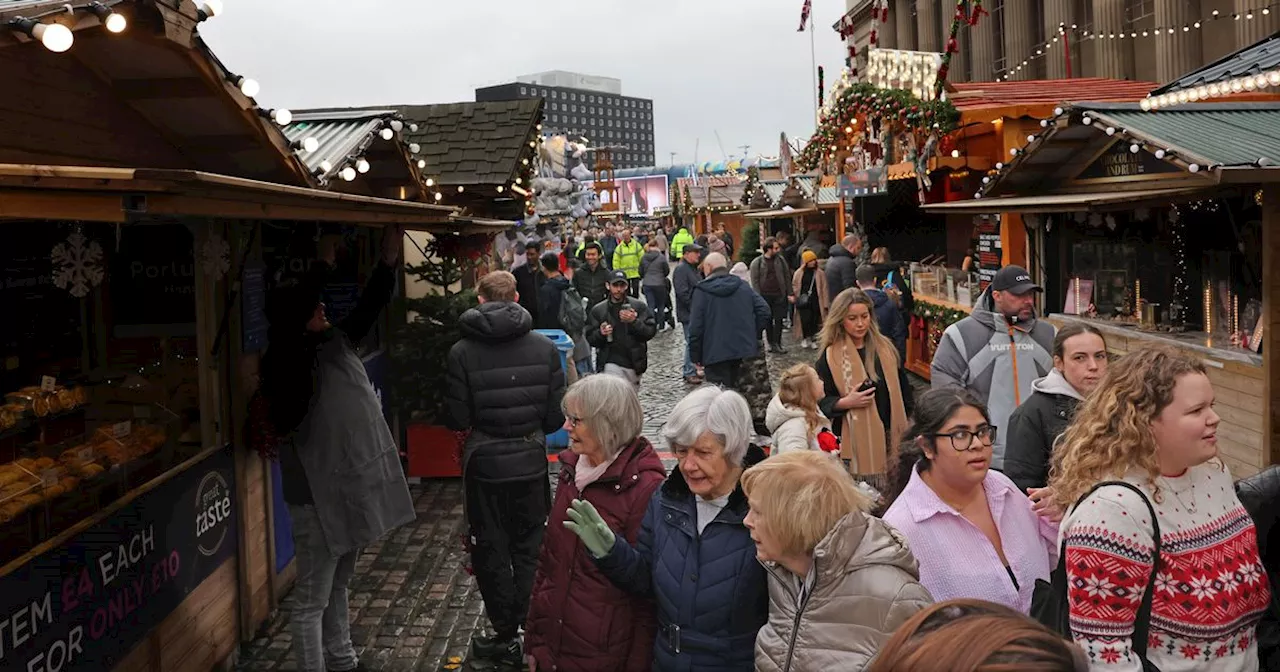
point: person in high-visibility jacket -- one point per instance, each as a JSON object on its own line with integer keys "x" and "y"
{"x": 678, "y": 241}
{"x": 626, "y": 258}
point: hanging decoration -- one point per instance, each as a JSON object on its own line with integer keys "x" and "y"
{"x": 77, "y": 264}
{"x": 804, "y": 14}
{"x": 856, "y": 107}
{"x": 215, "y": 256}
{"x": 961, "y": 17}
{"x": 940, "y": 316}
{"x": 749, "y": 189}
{"x": 822, "y": 75}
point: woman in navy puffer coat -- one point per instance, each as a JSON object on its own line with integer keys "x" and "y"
{"x": 694, "y": 556}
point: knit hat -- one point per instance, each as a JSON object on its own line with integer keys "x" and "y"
{"x": 808, "y": 256}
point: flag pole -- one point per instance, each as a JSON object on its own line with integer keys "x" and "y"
{"x": 813, "y": 67}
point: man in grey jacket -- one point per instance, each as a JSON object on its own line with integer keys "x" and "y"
{"x": 998, "y": 351}
{"x": 342, "y": 479}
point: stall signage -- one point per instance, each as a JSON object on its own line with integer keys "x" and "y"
{"x": 253, "y": 308}
{"x": 1119, "y": 162}
{"x": 990, "y": 249}
{"x": 86, "y": 604}
{"x": 153, "y": 278}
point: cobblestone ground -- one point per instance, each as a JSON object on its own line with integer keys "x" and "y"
{"x": 413, "y": 604}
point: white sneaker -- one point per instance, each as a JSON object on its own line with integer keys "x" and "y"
{"x": 806, "y": 344}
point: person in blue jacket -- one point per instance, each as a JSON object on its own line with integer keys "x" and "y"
{"x": 726, "y": 319}
{"x": 694, "y": 556}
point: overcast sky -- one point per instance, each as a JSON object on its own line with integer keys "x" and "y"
{"x": 737, "y": 67}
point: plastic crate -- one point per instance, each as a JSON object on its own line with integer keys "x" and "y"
{"x": 560, "y": 438}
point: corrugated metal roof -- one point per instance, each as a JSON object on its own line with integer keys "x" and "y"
{"x": 773, "y": 189}
{"x": 970, "y": 95}
{"x": 1251, "y": 60}
{"x": 1221, "y": 133}
{"x": 343, "y": 136}
{"x": 828, "y": 195}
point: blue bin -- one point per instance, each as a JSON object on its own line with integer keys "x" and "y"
{"x": 560, "y": 438}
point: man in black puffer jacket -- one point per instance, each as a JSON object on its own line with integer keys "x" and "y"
{"x": 842, "y": 265}
{"x": 505, "y": 387}
{"x": 620, "y": 328}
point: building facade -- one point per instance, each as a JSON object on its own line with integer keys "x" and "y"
{"x": 590, "y": 107}
{"x": 1143, "y": 40}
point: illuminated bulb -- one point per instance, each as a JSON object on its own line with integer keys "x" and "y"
{"x": 1260, "y": 81}
{"x": 439, "y": 195}
{"x": 421, "y": 164}
{"x": 397, "y": 125}
{"x": 387, "y": 133}
{"x": 1236, "y": 86}
{"x": 1160, "y": 153}
{"x": 1111, "y": 130}
{"x": 460, "y": 188}
{"x": 430, "y": 182}
{"x": 1273, "y": 78}
{"x": 310, "y": 144}
{"x": 1145, "y": 104}
{"x": 500, "y": 189}
{"x": 413, "y": 128}
{"x": 1134, "y": 148}
{"x": 326, "y": 166}
{"x": 348, "y": 173}
{"x": 54, "y": 36}
{"x": 999, "y": 165}
{"x": 414, "y": 148}
{"x": 519, "y": 181}
{"x": 1215, "y": 90}
{"x": 362, "y": 165}
{"x": 1013, "y": 151}
{"x": 986, "y": 180}
{"x": 248, "y": 87}
{"x": 1249, "y": 84}
{"x": 525, "y": 161}
{"x": 1031, "y": 139}
{"x": 282, "y": 116}
{"x": 116, "y": 23}
{"x": 209, "y": 9}
{"x": 1195, "y": 167}
{"x": 1086, "y": 120}
{"x": 955, "y": 153}
{"x": 1182, "y": 96}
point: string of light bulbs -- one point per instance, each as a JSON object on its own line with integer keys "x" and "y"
{"x": 1042, "y": 50}
{"x": 58, "y": 38}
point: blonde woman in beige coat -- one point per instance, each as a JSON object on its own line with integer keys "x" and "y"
{"x": 840, "y": 580}
{"x": 809, "y": 280}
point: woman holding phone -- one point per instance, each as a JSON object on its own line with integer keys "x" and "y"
{"x": 868, "y": 396}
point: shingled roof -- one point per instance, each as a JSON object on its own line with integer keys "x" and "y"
{"x": 474, "y": 144}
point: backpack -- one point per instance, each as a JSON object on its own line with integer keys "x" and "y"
{"x": 573, "y": 316}
{"x": 892, "y": 290}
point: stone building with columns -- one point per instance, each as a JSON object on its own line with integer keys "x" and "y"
{"x": 1056, "y": 39}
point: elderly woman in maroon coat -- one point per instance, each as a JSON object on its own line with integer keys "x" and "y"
{"x": 578, "y": 619}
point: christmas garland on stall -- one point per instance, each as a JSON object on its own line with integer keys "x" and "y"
{"x": 893, "y": 106}
{"x": 967, "y": 16}
{"x": 749, "y": 189}
{"x": 942, "y": 316}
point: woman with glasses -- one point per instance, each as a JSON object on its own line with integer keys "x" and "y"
{"x": 578, "y": 619}
{"x": 868, "y": 397}
{"x": 970, "y": 528}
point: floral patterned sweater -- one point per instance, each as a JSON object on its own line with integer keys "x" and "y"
{"x": 1210, "y": 587}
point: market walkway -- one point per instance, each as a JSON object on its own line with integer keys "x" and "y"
{"x": 413, "y": 603}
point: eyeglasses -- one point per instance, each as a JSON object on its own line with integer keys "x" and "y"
{"x": 572, "y": 420}
{"x": 962, "y": 439}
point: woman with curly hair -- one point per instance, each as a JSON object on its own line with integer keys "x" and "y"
{"x": 1190, "y": 579}
{"x": 793, "y": 417}
{"x": 976, "y": 636}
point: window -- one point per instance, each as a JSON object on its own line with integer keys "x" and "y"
{"x": 524, "y": 91}
{"x": 573, "y": 96}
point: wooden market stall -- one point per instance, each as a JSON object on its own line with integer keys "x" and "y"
{"x": 136, "y": 178}
{"x": 1161, "y": 227}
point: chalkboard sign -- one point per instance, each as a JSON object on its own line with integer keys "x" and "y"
{"x": 990, "y": 250}
{"x": 253, "y": 307}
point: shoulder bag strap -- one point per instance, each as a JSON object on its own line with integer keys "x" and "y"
{"x": 1142, "y": 621}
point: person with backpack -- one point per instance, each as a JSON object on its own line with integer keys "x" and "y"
{"x": 620, "y": 328}
{"x": 559, "y": 304}
{"x": 1161, "y": 568}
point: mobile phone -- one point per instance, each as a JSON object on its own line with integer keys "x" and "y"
{"x": 867, "y": 384}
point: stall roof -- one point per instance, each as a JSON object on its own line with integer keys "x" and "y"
{"x": 347, "y": 136}
{"x": 1255, "y": 59}
{"x": 1226, "y": 134}
{"x": 475, "y": 143}
{"x": 784, "y": 212}
{"x": 1060, "y": 202}
{"x": 154, "y": 95}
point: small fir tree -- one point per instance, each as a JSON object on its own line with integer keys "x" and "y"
{"x": 750, "y": 242}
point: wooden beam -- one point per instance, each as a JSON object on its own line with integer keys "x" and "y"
{"x": 162, "y": 88}
{"x": 232, "y": 207}
{"x": 47, "y": 204}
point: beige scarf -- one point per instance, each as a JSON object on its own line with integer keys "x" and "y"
{"x": 863, "y": 439}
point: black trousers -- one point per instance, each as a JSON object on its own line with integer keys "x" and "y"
{"x": 780, "y": 308}
{"x": 633, "y": 287}
{"x": 724, "y": 374}
{"x": 810, "y": 318}
{"x": 506, "y": 522}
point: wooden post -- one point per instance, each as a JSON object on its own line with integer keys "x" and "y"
{"x": 840, "y": 222}
{"x": 1271, "y": 322}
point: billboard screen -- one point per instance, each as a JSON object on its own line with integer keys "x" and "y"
{"x": 642, "y": 195}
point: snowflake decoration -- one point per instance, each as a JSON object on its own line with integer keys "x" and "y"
{"x": 77, "y": 264}
{"x": 215, "y": 256}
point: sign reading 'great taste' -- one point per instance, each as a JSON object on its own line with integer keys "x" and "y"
{"x": 85, "y": 604}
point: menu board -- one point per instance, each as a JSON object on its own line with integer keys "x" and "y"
{"x": 990, "y": 251}
{"x": 253, "y": 304}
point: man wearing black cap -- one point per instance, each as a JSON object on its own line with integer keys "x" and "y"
{"x": 684, "y": 279}
{"x": 998, "y": 351}
{"x": 620, "y": 328}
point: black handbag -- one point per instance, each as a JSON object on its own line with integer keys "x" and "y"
{"x": 1049, "y": 602}
{"x": 806, "y": 298}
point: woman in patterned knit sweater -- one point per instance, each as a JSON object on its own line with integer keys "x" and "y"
{"x": 1151, "y": 423}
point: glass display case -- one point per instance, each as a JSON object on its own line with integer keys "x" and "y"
{"x": 945, "y": 284}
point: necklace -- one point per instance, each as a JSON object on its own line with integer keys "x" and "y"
{"x": 1191, "y": 508}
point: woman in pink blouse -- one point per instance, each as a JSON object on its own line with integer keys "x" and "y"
{"x": 973, "y": 533}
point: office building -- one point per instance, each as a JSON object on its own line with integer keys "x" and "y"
{"x": 587, "y": 106}
{"x": 1141, "y": 40}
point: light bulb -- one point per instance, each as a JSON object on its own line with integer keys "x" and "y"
{"x": 430, "y": 182}
{"x": 348, "y": 173}
{"x": 211, "y": 8}
{"x": 413, "y": 128}
{"x": 501, "y": 189}
{"x": 1273, "y": 78}
{"x": 310, "y": 144}
{"x": 1145, "y": 104}
{"x": 1134, "y": 148}
{"x": 54, "y": 36}
{"x": 1195, "y": 167}
{"x": 461, "y": 189}
{"x": 1260, "y": 81}
{"x": 116, "y": 23}
{"x": 999, "y": 165}
{"x": 439, "y": 195}
{"x": 397, "y": 125}
{"x": 362, "y": 165}
{"x": 326, "y": 166}
{"x": 387, "y": 133}
{"x": 986, "y": 180}
{"x": 1013, "y": 151}
{"x": 1111, "y": 130}
{"x": 525, "y": 161}
{"x": 1160, "y": 153}
{"x": 421, "y": 164}
{"x": 1031, "y": 139}
{"x": 1044, "y": 123}
{"x": 1086, "y": 120}
{"x": 282, "y": 116}
{"x": 248, "y": 87}
{"x": 414, "y": 148}
{"x": 955, "y": 153}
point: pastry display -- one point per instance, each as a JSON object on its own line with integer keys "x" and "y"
{"x": 33, "y": 401}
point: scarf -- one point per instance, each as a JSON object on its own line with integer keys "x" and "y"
{"x": 862, "y": 435}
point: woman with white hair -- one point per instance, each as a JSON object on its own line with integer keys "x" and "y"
{"x": 578, "y": 619}
{"x": 694, "y": 554}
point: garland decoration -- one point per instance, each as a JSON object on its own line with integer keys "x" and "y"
{"x": 964, "y": 16}
{"x": 822, "y": 75}
{"x": 893, "y": 109}
{"x": 804, "y": 14}
{"x": 941, "y": 316}
{"x": 749, "y": 190}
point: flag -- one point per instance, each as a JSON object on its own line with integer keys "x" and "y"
{"x": 804, "y": 14}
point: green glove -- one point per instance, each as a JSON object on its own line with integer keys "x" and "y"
{"x": 585, "y": 522}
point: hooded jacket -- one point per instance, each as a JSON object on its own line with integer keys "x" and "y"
{"x": 708, "y": 589}
{"x": 678, "y": 241}
{"x": 866, "y": 584}
{"x": 593, "y": 285}
{"x": 789, "y": 427}
{"x": 841, "y": 271}
{"x": 1260, "y": 495}
{"x": 578, "y": 620}
{"x": 1034, "y": 428}
{"x": 654, "y": 269}
{"x": 686, "y": 277}
{"x": 633, "y": 337}
{"x": 994, "y": 360}
{"x": 626, "y": 258}
{"x": 550, "y": 294}
{"x": 890, "y": 319}
{"x": 505, "y": 384}
{"x": 725, "y": 320}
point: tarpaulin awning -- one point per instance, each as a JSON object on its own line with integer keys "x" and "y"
{"x": 1059, "y": 202}
{"x": 772, "y": 214}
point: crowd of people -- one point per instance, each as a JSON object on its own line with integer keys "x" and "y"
{"x": 1041, "y": 507}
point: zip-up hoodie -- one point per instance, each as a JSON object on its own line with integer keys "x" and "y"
{"x": 725, "y": 320}
{"x": 865, "y": 584}
{"x": 1035, "y": 427}
{"x": 994, "y": 360}
{"x": 789, "y": 427}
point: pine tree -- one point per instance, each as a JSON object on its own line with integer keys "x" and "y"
{"x": 750, "y": 242}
